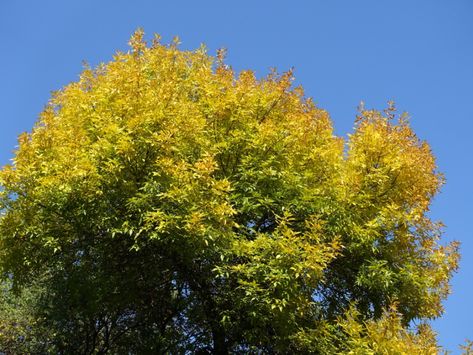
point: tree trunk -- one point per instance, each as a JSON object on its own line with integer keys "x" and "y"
{"x": 219, "y": 342}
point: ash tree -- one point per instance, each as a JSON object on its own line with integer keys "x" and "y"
{"x": 165, "y": 204}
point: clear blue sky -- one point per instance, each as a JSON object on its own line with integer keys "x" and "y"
{"x": 418, "y": 53}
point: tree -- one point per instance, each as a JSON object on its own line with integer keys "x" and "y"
{"x": 163, "y": 205}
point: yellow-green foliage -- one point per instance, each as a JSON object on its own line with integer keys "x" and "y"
{"x": 171, "y": 205}
{"x": 386, "y": 336}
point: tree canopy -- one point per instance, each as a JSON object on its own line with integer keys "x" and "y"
{"x": 165, "y": 204}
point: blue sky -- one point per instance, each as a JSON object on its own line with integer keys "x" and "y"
{"x": 418, "y": 53}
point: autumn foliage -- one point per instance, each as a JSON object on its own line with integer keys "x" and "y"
{"x": 165, "y": 204}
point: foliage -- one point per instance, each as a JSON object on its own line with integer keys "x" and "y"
{"x": 165, "y": 205}
{"x": 467, "y": 347}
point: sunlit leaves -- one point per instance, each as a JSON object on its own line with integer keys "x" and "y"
{"x": 172, "y": 205}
